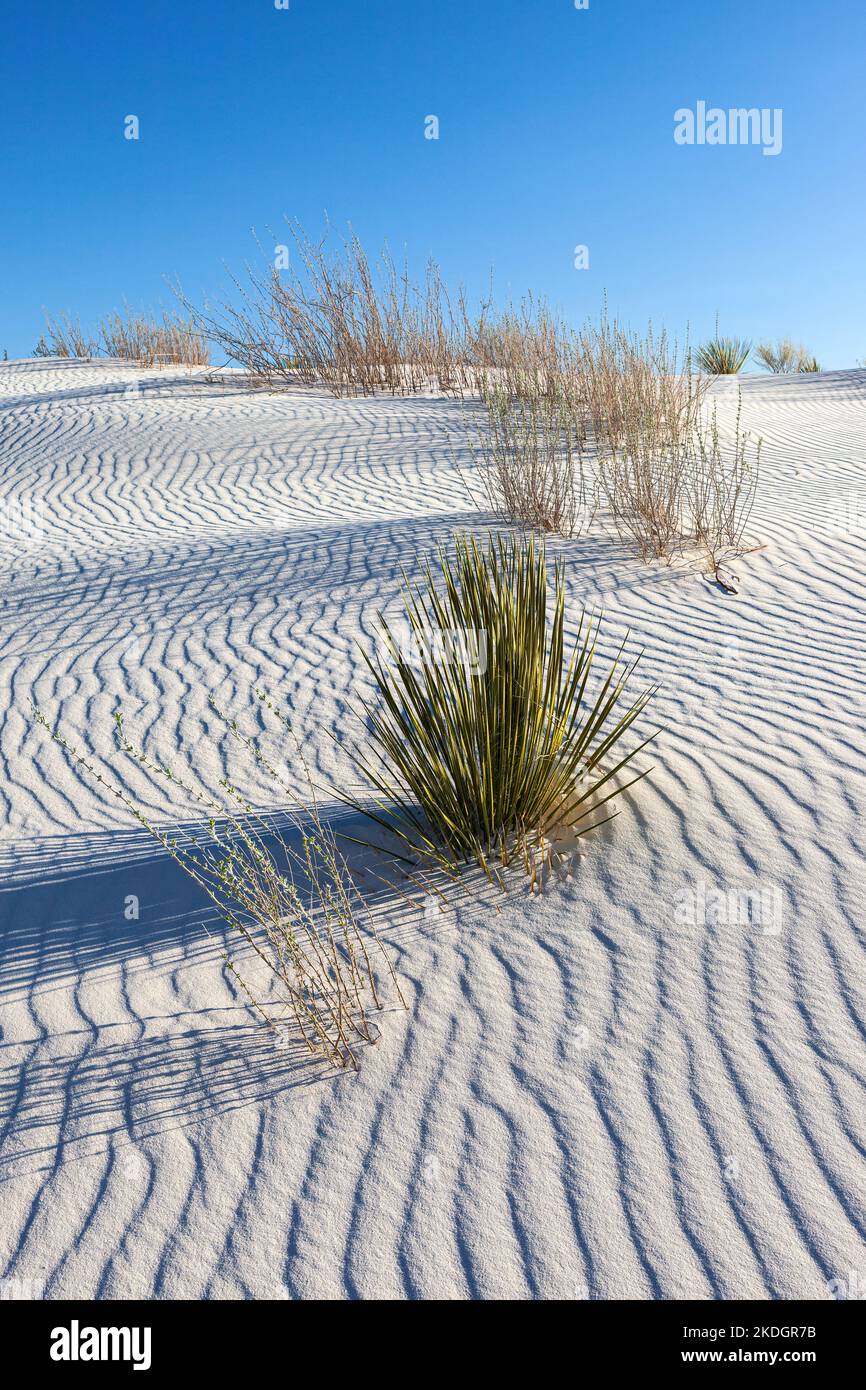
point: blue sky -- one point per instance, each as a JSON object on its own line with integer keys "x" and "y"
{"x": 556, "y": 129}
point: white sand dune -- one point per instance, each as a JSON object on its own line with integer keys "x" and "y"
{"x": 587, "y": 1098}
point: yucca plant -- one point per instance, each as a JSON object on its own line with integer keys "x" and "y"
{"x": 486, "y": 739}
{"x": 778, "y": 358}
{"x": 723, "y": 356}
{"x": 785, "y": 356}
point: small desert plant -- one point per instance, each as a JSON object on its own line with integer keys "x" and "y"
{"x": 149, "y": 342}
{"x": 720, "y": 488}
{"x": 529, "y": 456}
{"x": 670, "y": 484}
{"x": 634, "y": 381}
{"x": 785, "y": 356}
{"x": 301, "y": 914}
{"x": 523, "y": 351}
{"x": 779, "y": 358}
{"x": 482, "y": 759}
{"x": 66, "y": 338}
{"x": 624, "y": 402}
{"x": 723, "y": 356}
{"x": 331, "y": 316}
{"x": 642, "y": 478}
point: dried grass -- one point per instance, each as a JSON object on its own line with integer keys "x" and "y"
{"x": 297, "y": 909}
{"x": 64, "y": 337}
{"x": 149, "y": 342}
{"x": 335, "y": 318}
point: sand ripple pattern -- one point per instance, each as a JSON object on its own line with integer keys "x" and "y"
{"x": 592, "y": 1095}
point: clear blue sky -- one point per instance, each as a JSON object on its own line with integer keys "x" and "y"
{"x": 556, "y": 128}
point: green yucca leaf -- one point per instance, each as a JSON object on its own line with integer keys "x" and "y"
{"x": 465, "y": 761}
{"x": 723, "y": 356}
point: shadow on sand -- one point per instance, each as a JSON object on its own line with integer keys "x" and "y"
{"x": 134, "y": 1055}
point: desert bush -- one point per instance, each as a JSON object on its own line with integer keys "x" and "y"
{"x": 149, "y": 342}
{"x": 528, "y": 455}
{"x": 481, "y": 754}
{"x": 785, "y": 356}
{"x": 139, "y": 338}
{"x": 779, "y": 358}
{"x": 723, "y": 356}
{"x": 721, "y": 485}
{"x": 643, "y": 477}
{"x": 64, "y": 337}
{"x": 521, "y": 352}
{"x": 563, "y": 410}
{"x": 644, "y": 409}
{"x": 301, "y": 914}
{"x": 632, "y": 381}
{"x": 671, "y": 484}
{"x": 607, "y": 419}
{"x": 335, "y": 318}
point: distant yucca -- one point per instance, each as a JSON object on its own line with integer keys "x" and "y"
{"x": 785, "y": 356}
{"x": 480, "y": 759}
{"x": 723, "y": 356}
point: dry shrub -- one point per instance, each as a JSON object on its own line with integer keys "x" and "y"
{"x": 632, "y": 381}
{"x": 64, "y": 337}
{"x": 334, "y": 318}
{"x": 143, "y": 339}
{"x": 643, "y": 403}
{"x": 139, "y": 338}
{"x": 530, "y": 458}
{"x": 528, "y": 442}
{"x": 671, "y": 484}
{"x": 297, "y": 909}
{"x": 524, "y": 352}
{"x": 572, "y": 421}
{"x": 642, "y": 478}
{"x": 549, "y": 396}
{"x": 721, "y": 486}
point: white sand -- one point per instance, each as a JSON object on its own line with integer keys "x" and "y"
{"x": 586, "y": 1099}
